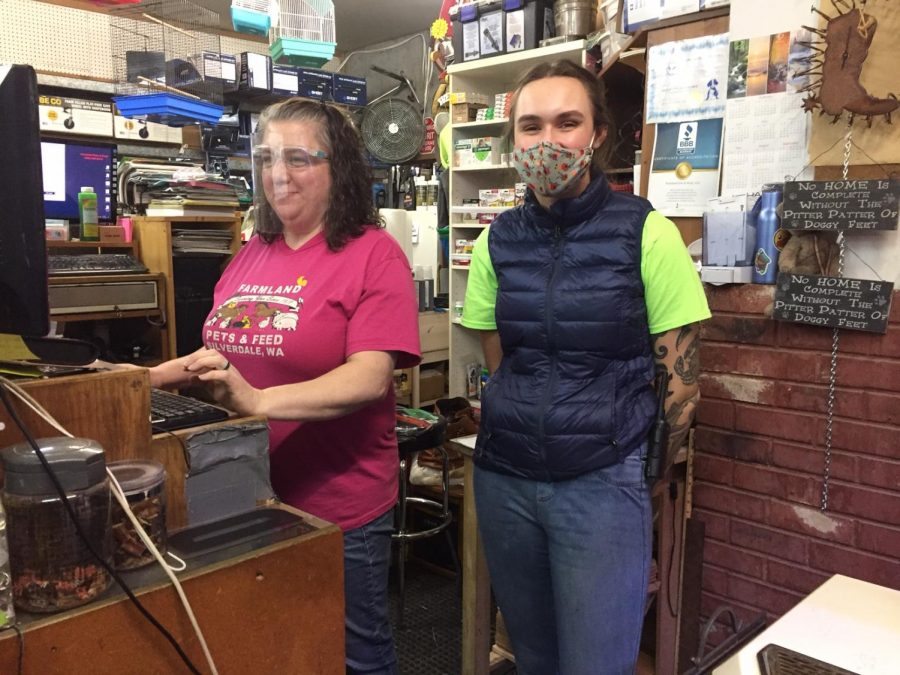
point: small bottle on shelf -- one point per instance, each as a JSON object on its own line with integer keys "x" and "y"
{"x": 87, "y": 215}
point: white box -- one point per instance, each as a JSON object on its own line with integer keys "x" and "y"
{"x": 486, "y": 151}
{"x": 726, "y": 275}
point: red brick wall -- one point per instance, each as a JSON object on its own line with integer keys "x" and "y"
{"x": 759, "y": 457}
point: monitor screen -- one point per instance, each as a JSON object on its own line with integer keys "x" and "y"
{"x": 70, "y": 165}
{"x": 24, "y": 308}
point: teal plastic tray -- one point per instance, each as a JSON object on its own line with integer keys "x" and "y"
{"x": 298, "y": 52}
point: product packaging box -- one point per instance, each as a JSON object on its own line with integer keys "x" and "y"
{"x": 492, "y": 29}
{"x": 486, "y": 151}
{"x": 527, "y": 23}
{"x": 349, "y": 90}
{"x": 112, "y": 234}
{"x": 314, "y": 83}
{"x": 284, "y": 79}
{"x": 466, "y": 38}
{"x": 256, "y": 72}
{"x": 431, "y": 384}
{"x": 216, "y": 66}
{"x": 462, "y": 153}
{"x": 462, "y": 112}
{"x": 56, "y": 232}
{"x": 497, "y": 197}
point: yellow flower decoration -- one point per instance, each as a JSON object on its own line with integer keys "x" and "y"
{"x": 439, "y": 29}
{"x": 301, "y": 281}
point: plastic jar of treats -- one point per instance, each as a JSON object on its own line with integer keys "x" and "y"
{"x": 52, "y": 566}
{"x": 144, "y": 485}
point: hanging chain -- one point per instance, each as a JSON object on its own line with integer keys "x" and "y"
{"x": 836, "y": 337}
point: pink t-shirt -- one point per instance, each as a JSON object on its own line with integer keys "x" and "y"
{"x": 284, "y": 316}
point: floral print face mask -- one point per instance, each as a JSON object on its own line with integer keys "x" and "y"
{"x": 551, "y": 169}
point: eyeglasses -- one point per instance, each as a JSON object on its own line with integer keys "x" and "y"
{"x": 293, "y": 157}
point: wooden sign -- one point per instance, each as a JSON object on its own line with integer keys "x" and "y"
{"x": 835, "y": 302}
{"x": 840, "y": 205}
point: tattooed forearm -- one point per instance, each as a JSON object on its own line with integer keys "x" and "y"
{"x": 678, "y": 351}
{"x": 687, "y": 366}
{"x": 660, "y": 351}
{"x": 679, "y": 415}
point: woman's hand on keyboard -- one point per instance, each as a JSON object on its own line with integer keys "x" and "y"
{"x": 226, "y": 384}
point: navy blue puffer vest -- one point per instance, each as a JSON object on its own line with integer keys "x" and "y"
{"x": 573, "y": 391}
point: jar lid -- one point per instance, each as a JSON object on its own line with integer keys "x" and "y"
{"x": 135, "y": 475}
{"x": 78, "y": 463}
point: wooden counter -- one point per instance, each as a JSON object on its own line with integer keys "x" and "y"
{"x": 278, "y": 609}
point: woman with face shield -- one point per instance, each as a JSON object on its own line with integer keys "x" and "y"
{"x": 581, "y": 295}
{"x": 310, "y": 320}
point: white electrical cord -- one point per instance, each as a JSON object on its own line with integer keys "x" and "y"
{"x": 117, "y": 492}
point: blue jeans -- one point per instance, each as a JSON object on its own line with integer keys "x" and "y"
{"x": 569, "y": 563}
{"x": 367, "y": 561}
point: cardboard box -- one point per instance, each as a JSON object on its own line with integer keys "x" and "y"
{"x": 284, "y": 79}
{"x": 434, "y": 331}
{"x": 314, "y": 83}
{"x": 485, "y": 151}
{"x": 256, "y": 72}
{"x": 218, "y": 67}
{"x": 431, "y": 384}
{"x": 112, "y": 234}
{"x": 349, "y": 90}
{"x": 497, "y": 197}
{"x": 56, "y": 232}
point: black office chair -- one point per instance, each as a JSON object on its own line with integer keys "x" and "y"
{"x": 409, "y": 442}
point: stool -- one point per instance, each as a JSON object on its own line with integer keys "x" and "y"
{"x": 407, "y": 446}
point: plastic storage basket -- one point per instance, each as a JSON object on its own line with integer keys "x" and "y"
{"x": 176, "y": 111}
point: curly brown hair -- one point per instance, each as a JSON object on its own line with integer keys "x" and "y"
{"x": 596, "y": 92}
{"x": 351, "y": 208}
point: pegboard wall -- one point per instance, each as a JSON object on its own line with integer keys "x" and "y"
{"x": 69, "y": 41}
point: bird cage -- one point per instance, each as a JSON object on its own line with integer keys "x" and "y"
{"x": 168, "y": 66}
{"x": 304, "y": 33}
{"x": 252, "y": 16}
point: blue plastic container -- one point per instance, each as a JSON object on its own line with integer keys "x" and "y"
{"x": 169, "y": 109}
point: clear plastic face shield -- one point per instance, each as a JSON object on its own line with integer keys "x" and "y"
{"x": 276, "y": 169}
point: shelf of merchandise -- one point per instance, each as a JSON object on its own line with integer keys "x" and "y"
{"x": 483, "y": 124}
{"x": 490, "y": 76}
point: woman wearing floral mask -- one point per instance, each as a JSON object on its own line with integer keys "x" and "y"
{"x": 581, "y": 295}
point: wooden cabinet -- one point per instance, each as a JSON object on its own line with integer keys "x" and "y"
{"x": 434, "y": 339}
{"x": 155, "y": 237}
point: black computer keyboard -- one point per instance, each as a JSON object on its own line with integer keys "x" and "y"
{"x": 94, "y": 263}
{"x": 170, "y": 411}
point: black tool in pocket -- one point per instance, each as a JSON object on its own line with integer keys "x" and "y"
{"x": 658, "y": 443}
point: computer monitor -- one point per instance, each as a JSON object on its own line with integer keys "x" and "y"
{"x": 69, "y": 165}
{"x": 24, "y": 307}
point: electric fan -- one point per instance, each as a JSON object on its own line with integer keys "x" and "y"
{"x": 392, "y": 127}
